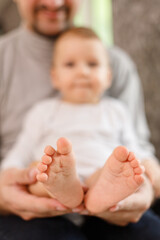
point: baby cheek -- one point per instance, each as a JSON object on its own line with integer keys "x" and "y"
{"x": 97, "y": 88}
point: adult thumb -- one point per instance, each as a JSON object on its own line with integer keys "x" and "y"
{"x": 21, "y": 176}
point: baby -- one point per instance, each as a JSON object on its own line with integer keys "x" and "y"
{"x": 95, "y": 126}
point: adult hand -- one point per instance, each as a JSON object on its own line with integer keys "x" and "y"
{"x": 15, "y": 198}
{"x": 131, "y": 208}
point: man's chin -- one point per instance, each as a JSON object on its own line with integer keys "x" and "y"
{"x": 50, "y": 32}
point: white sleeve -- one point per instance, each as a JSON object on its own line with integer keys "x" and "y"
{"x": 22, "y": 152}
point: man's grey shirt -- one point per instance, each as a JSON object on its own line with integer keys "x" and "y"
{"x": 25, "y": 63}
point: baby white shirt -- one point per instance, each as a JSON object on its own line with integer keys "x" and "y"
{"x": 93, "y": 129}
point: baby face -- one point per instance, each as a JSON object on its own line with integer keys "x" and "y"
{"x": 80, "y": 69}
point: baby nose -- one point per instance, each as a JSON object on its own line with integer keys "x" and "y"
{"x": 83, "y": 69}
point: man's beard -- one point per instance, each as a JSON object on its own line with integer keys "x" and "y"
{"x": 68, "y": 24}
{"x": 50, "y": 36}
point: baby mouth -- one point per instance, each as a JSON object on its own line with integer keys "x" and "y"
{"x": 82, "y": 85}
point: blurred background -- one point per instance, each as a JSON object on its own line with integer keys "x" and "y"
{"x": 133, "y": 25}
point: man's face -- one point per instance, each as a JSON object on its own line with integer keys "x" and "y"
{"x": 47, "y": 17}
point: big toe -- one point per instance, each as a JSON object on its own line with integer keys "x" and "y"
{"x": 121, "y": 153}
{"x": 64, "y": 146}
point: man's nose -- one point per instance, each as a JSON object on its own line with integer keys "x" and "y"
{"x": 52, "y": 3}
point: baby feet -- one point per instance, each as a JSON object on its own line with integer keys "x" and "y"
{"x": 120, "y": 177}
{"x": 58, "y": 174}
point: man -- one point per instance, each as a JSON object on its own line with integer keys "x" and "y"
{"x": 25, "y": 58}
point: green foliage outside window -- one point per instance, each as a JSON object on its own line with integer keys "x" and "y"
{"x": 98, "y": 15}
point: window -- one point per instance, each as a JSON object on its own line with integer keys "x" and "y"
{"x": 97, "y": 14}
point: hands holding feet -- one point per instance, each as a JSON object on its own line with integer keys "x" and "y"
{"x": 120, "y": 176}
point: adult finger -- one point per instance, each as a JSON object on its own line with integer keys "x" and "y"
{"x": 140, "y": 200}
{"x": 121, "y": 218}
{"x": 31, "y": 215}
{"x": 20, "y": 176}
{"x": 23, "y": 201}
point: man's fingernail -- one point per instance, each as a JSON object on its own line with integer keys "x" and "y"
{"x": 85, "y": 212}
{"x": 114, "y": 209}
{"x": 76, "y": 210}
{"x": 32, "y": 173}
{"x": 60, "y": 208}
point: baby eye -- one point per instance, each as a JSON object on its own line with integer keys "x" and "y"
{"x": 69, "y": 64}
{"x": 93, "y": 64}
